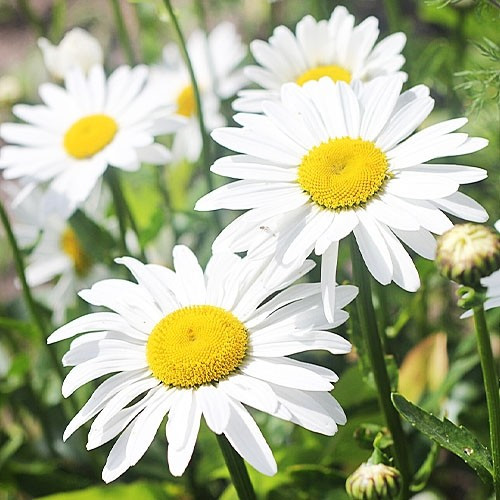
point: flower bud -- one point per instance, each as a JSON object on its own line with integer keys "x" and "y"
{"x": 370, "y": 482}
{"x": 468, "y": 252}
{"x": 77, "y": 48}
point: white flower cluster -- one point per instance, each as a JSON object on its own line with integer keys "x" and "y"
{"x": 325, "y": 147}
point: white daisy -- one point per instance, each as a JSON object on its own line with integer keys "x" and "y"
{"x": 332, "y": 159}
{"x": 333, "y": 48}
{"x": 214, "y": 59}
{"x": 492, "y": 285}
{"x": 195, "y": 343}
{"x": 58, "y": 259}
{"x": 80, "y": 130}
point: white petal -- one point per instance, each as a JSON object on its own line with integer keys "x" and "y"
{"x": 214, "y": 406}
{"x": 328, "y": 282}
{"x": 420, "y": 241}
{"x": 245, "y": 437}
{"x": 178, "y": 458}
{"x": 373, "y": 248}
{"x": 420, "y": 186}
{"x": 463, "y": 206}
{"x": 285, "y": 372}
{"x": 190, "y": 274}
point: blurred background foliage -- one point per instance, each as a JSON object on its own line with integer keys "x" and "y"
{"x": 453, "y": 47}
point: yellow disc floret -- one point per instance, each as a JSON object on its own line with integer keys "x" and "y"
{"x": 196, "y": 345}
{"x": 72, "y": 247}
{"x": 336, "y": 73}
{"x": 89, "y": 135}
{"x": 343, "y": 173}
{"x": 186, "y": 102}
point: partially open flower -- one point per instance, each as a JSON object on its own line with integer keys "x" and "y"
{"x": 77, "y": 48}
{"x": 378, "y": 481}
{"x": 468, "y": 252}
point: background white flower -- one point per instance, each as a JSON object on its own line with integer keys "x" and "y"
{"x": 214, "y": 58}
{"x": 334, "y": 48}
{"x": 77, "y": 48}
{"x": 58, "y": 266}
{"x": 331, "y": 159}
{"x": 80, "y": 130}
{"x": 192, "y": 343}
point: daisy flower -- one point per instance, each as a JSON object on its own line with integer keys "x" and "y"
{"x": 58, "y": 257}
{"x": 331, "y": 159}
{"x": 214, "y": 59}
{"x": 192, "y": 343}
{"x": 71, "y": 139}
{"x": 334, "y": 48}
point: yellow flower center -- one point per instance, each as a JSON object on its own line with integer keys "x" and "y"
{"x": 336, "y": 73}
{"x": 343, "y": 173}
{"x": 196, "y": 345}
{"x": 89, "y": 135}
{"x": 186, "y": 102}
{"x": 71, "y": 246}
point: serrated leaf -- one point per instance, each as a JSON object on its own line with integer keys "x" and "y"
{"x": 458, "y": 440}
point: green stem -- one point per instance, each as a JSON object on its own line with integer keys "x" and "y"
{"x": 35, "y": 21}
{"x": 393, "y": 14}
{"x": 491, "y": 388}
{"x": 206, "y": 158}
{"x": 160, "y": 181}
{"x": 58, "y": 19}
{"x": 35, "y": 315}
{"x": 373, "y": 345}
{"x": 123, "y": 212}
{"x": 122, "y": 32}
{"x": 237, "y": 470}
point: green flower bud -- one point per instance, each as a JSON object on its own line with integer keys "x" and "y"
{"x": 374, "y": 482}
{"x": 468, "y": 252}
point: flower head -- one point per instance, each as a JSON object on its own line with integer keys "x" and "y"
{"x": 468, "y": 252}
{"x": 214, "y": 58}
{"x": 335, "y": 48}
{"x": 77, "y": 48}
{"x": 192, "y": 343}
{"x": 331, "y": 159}
{"x": 374, "y": 482}
{"x": 71, "y": 139}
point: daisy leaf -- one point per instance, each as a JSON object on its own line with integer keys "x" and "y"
{"x": 458, "y": 440}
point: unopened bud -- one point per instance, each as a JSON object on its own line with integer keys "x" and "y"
{"x": 374, "y": 482}
{"x": 468, "y": 252}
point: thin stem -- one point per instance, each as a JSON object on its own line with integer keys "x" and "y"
{"x": 122, "y": 32}
{"x": 373, "y": 345}
{"x": 33, "y": 19}
{"x": 123, "y": 212}
{"x": 393, "y": 14}
{"x": 206, "y": 159}
{"x": 58, "y": 20}
{"x": 237, "y": 470}
{"x": 491, "y": 388}
{"x": 165, "y": 195}
{"x": 36, "y": 317}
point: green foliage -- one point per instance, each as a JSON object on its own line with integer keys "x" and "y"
{"x": 456, "y": 439}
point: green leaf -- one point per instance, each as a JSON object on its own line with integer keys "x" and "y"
{"x": 140, "y": 489}
{"x": 458, "y": 440}
{"x": 95, "y": 240}
{"x": 19, "y": 325}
